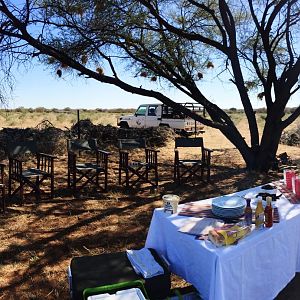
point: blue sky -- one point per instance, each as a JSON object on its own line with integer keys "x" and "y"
{"x": 39, "y": 86}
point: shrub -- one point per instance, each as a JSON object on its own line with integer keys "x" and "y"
{"x": 40, "y": 109}
{"x": 291, "y": 138}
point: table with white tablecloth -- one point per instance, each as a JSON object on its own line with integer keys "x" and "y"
{"x": 258, "y": 267}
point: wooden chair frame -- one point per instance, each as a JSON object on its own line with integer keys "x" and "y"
{"x": 86, "y": 172}
{"x": 2, "y": 187}
{"x": 188, "y": 168}
{"x": 32, "y": 177}
{"x": 137, "y": 171}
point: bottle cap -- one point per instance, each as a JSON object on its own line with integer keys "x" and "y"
{"x": 269, "y": 199}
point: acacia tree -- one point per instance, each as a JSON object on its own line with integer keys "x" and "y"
{"x": 255, "y": 42}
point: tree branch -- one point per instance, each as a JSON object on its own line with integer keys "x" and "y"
{"x": 288, "y": 121}
{"x": 182, "y": 33}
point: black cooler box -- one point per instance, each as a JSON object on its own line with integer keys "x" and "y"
{"x": 111, "y": 268}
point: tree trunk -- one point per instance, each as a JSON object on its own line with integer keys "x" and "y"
{"x": 263, "y": 157}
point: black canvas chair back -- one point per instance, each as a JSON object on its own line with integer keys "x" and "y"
{"x": 189, "y": 142}
{"x": 128, "y": 144}
{"x": 188, "y": 168}
{"x": 15, "y": 149}
{"x": 32, "y": 177}
{"x": 82, "y": 145}
{"x": 133, "y": 171}
{"x": 88, "y": 169}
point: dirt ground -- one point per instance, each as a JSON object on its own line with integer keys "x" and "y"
{"x": 38, "y": 240}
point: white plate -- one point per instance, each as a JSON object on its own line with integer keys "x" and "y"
{"x": 230, "y": 202}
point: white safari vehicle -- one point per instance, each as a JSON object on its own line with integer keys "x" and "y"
{"x": 155, "y": 115}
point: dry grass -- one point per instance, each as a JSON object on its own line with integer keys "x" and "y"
{"x": 28, "y": 118}
{"x": 38, "y": 240}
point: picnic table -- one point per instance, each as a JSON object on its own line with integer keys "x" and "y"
{"x": 258, "y": 267}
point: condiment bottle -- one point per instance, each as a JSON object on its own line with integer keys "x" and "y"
{"x": 248, "y": 213}
{"x": 269, "y": 213}
{"x": 259, "y": 214}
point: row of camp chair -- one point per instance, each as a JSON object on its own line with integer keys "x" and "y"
{"x": 89, "y": 165}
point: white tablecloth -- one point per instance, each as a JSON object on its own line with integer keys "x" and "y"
{"x": 259, "y": 267}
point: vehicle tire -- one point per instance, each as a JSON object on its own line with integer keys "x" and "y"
{"x": 164, "y": 125}
{"x": 124, "y": 125}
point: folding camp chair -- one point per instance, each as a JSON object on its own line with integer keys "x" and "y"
{"x": 188, "y": 168}
{"x": 137, "y": 171}
{"x": 2, "y": 187}
{"x": 31, "y": 177}
{"x": 86, "y": 163}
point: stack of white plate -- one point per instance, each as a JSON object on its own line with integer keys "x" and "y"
{"x": 228, "y": 206}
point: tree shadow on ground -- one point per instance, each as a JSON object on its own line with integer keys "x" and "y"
{"x": 40, "y": 238}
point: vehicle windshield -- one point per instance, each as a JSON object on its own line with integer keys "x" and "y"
{"x": 141, "y": 111}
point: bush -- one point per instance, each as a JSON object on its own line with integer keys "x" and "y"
{"x": 291, "y": 138}
{"x": 40, "y": 109}
{"x": 20, "y": 109}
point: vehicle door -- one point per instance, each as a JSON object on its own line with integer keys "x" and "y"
{"x": 153, "y": 118}
{"x": 139, "y": 117}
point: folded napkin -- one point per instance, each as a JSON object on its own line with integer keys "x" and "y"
{"x": 144, "y": 263}
{"x": 200, "y": 227}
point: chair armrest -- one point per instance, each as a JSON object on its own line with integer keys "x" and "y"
{"x": 15, "y": 168}
{"x": 47, "y": 155}
{"x": 103, "y": 152}
{"x": 123, "y": 151}
{"x": 208, "y": 150}
{"x": 152, "y": 149}
{"x": 206, "y": 155}
{"x": 123, "y": 160}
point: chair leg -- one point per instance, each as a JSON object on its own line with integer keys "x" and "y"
{"x": 9, "y": 187}
{"x": 127, "y": 179}
{"x": 22, "y": 193}
{"x": 178, "y": 174}
{"x": 69, "y": 179}
{"x": 208, "y": 174}
{"x": 120, "y": 176}
{"x": 147, "y": 172}
{"x": 52, "y": 187}
{"x": 156, "y": 176}
{"x": 97, "y": 180}
{"x": 74, "y": 182}
{"x": 175, "y": 173}
{"x": 202, "y": 173}
{"x": 37, "y": 192}
{"x": 3, "y": 199}
{"x": 105, "y": 180}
